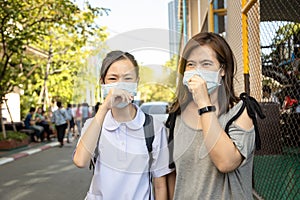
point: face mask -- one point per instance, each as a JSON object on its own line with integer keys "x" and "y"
{"x": 128, "y": 86}
{"x": 211, "y": 78}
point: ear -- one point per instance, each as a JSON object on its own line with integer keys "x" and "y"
{"x": 222, "y": 72}
{"x": 138, "y": 80}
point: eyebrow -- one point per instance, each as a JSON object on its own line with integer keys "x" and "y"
{"x": 191, "y": 61}
{"x": 115, "y": 74}
{"x": 206, "y": 60}
{"x": 202, "y": 61}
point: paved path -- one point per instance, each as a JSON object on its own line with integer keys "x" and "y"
{"x": 43, "y": 172}
{"x": 32, "y": 148}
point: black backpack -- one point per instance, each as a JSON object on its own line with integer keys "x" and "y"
{"x": 149, "y": 137}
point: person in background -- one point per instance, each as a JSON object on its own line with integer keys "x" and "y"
{"x": 30, "y": 123}
{"x": 85, "y": 113}
{"x": 124, "y": 167}
{"x": 71, "y": 127}
{"x": 213, "y": 152}
{"x": 61, "y": 119}
{"x": 78, "y": 118}
{"x": 42, "y": 121}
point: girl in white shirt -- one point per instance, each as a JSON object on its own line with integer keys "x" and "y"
{"x": 122, "y": 167}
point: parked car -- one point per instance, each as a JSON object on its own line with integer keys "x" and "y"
{"x": 158, "y": 109}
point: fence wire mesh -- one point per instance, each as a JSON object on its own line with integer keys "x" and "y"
{"x": 277, "y": 164}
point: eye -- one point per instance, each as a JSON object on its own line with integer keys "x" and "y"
{"x": 128, "y": 77}
{"x": 190, "y": 65}
{"x": 111, "y": 79}
{"x": 207, "y": 64}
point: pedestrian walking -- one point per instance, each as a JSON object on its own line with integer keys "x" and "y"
{"x": 78, "y": 119}
{"x": 85, "y": 112}
{"x": 71, "y": 127}
{"x": 61, "y": 119}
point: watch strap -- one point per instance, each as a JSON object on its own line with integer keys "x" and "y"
{"x": 206, "y": 109}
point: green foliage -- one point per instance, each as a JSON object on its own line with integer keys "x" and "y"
{"x": 285, "y": 46}
{"x": 158, "y": 84}
{"x": 11, "y": 135}
{"x": 284, "y": 33}
{"x": 156, "y": 92}
{"x": 172, "y": 66}
{"x": 46, "y": 43}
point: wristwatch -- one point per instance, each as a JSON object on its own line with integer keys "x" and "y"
{"x": 206, "y": 109}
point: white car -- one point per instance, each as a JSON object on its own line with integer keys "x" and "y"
{"x": 157, "y": 109}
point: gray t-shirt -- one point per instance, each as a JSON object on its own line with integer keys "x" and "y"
{"x": 197, "y": 177}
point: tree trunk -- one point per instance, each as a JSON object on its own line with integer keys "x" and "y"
{"x": 12, "y": 121}
{"x": 1, "y": 121}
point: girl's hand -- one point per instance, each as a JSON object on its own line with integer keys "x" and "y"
{"x": 197, "y": 86}
{"x": 116, "y": 96}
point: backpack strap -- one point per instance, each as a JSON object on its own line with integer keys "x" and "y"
{"x": 170, "y": 124}
{"x": 149, "y": 137}
{"x": 96, "y": 153}
{"x": 253, "y": 109}
{"x": 148, "y": 131}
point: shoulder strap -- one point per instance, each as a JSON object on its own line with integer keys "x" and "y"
{"x": 149, "y": 137}
{"x": 170, "y": 124}
{"x": 148, "y": 131}
{"x": 96, "y": 153}
{"x": 253, "y": 109}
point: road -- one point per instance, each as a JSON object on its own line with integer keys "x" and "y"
{"x": 47, "y": 175}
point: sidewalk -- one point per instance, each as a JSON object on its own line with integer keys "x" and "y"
{"x": 32, "y": 148}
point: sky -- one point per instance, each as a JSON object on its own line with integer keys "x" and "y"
{"x": 137, "y": 26}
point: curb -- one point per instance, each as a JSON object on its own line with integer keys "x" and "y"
{"x": 27, "y": 152}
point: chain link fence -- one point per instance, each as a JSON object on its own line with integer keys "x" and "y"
{"x": 277, "y": 164}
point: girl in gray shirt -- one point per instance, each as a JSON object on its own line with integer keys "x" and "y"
{"x": 213, "y": 158}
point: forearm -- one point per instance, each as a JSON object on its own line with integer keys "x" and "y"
{"x": 160, "y": 188}
{"x": 88, "y": 142}
{"x": 220, "y": 147}
{"x": 171, "y": 179}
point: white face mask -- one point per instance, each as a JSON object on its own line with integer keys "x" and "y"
{"x": 211, "y": 78}
{"x": 128, "y": 86}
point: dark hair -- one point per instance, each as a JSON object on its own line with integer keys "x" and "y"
{"x": 32, "y": 109}
{"x": 224, "y": 56}
{"x": 58, "y": 104}
{"x": 114, "y": 56}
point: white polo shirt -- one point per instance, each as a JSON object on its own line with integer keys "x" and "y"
{"x": 122, "y": 167}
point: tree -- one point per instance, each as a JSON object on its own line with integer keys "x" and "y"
{"x": 159, "y": 88}
{"x": 280, "y": 63}
{"x": 29, "y": 23}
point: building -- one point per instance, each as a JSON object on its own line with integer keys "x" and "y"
{"x": 174, "y": 27}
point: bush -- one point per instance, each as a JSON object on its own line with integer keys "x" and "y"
{"x": 11, "y": 135}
